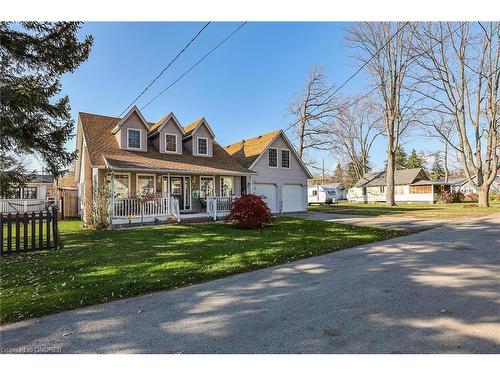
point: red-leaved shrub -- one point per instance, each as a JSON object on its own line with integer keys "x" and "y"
{"x": 249, "y": 212}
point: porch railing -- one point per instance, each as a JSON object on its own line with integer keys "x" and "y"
{"x": 25, "y": 205}
{"x": 219, "y": 204}
{"x": 136, "y": 207}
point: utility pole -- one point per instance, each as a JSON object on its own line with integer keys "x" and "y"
{"x": 323, "y": 170}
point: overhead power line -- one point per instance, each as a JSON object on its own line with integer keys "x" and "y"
{"x": 357, "y": 100}
{"x": 356, "y": 72}
{"x": 195, "y": 64}
{"x": 165, "y": 69}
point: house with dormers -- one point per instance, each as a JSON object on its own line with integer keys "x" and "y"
{"x": 163, "y": 170}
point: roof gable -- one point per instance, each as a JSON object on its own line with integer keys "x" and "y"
{"x": 158, "y": 126}
{"x": 194, "y": 126}
{"x": 133, "y": 110}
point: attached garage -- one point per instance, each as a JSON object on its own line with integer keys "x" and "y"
{"x": 293, "y": 197}
{"x": 269, "y": 192}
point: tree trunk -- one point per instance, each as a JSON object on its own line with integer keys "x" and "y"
{"x": 446, "y": 171}
{"x": 389, "y": 194}
{"x": 483, "y": 193}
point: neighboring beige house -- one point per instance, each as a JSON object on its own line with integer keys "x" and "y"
{"x": 163, "y": 170}
{"x": 411, "y": 186}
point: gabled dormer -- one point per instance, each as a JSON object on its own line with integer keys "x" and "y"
{"x": 199, "y": 138}
{"x": 167, "y": 135}
{"x": 131, "y": 132}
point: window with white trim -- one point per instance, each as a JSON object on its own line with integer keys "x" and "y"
{"x": 206, "y": 187}
{"x": 285, "y": 158}
{"x": 29, "y": 192}
{"x": 171, "y": 142}
{"x": 134, "y": 139}
{"x": 273, "y": 157}
{"x": 121, "y": 185}
{"x": 226, "y": 186}
{"x": 202, "y": 146}
{"x": 145, "y": 184}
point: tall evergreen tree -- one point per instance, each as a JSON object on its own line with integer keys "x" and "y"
{"x": 339, "y": 174}
{"x": 400, "y": 158}
{"x": 437, "y": 170}
{"x": 33, "y": 121}
{"x": 415, "y": 160}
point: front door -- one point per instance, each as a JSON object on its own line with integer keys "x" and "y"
{"x": 177, "y": 190}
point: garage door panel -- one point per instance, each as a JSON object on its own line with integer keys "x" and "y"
{"x": 268, "y": 191}
{"x": 293, "y": 198}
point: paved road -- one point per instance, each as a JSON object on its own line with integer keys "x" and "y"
{"x": 436, "y": 291}
{"x": 411, "y": 225}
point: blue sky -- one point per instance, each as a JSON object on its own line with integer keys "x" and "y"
{"x": 242, "y": 89}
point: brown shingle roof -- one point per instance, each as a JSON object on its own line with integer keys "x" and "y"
{"x": 188, "y": 129}
{"x": 102, "y": 146}
{"x": 248, "y": 150}
{"x": 157, "y": 124}
{"x": 401, "y": 177}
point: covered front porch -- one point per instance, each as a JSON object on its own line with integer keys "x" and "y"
{"x": 157, "y": 197}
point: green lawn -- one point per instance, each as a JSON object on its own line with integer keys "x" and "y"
{"x": 423, "y": 211}
{"x": 94, "y": 267}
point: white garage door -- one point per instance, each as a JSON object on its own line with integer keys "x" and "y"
{"x": 293, "y": 198}
{"x": 269, "y": 193}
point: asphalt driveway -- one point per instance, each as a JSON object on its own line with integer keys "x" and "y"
{"x": 436, "y": 291}
{"x": 409, "y": 224}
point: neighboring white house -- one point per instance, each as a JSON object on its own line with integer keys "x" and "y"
{"x": 465, "y": 187}
{"x": 411, "y": 185}
{"x": 31, "y": 196}
{"x": 327, "y": 193}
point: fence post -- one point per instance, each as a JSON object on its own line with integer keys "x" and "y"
{"x": 18, "y": 235}
{"x": 25, "y": 228}
{"x": 55, "y": 218}
{"x": 1, "y": 233}
{"x": 33, "y": 230}
{"x": 48, "y": 228}
{"x": 40, "y": 230}
{"x": 9, "y": 233}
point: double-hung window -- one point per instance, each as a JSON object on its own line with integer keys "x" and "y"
{"x": 29, "y": 192}
{"x": 206, "y": 187}
{"x": 285, "y": 158}
{"x": 134, "y": 139}
{"x": 202, "y": 146}
{"x": 121, "y": 185}
{"x": 226, "y": 186}
{"x": 273, "y": 157}
{"x": 171, "y": 143}
{"x": 145, "y": 184}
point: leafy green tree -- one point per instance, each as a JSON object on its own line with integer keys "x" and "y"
{"x": 437, "y": 170}
{"x": 34, "y": 119}
{"x": 415, "y": 160}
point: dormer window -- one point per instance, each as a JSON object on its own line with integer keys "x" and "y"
{"x": 202, "y": 146}
{"x": 171, "y": 143}
{"x": 134, "y": 139}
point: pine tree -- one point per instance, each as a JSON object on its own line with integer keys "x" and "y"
{"x": 339, "y": 174}
{"x": 437, "y": 170}
{"x": 33, "y": 120}
{"x": 401, "y": 158}
{"x": 415, "y": 160}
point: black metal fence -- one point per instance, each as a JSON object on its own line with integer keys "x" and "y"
{"x": 24, "y": 232}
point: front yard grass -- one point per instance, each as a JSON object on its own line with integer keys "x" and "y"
{"x": 94, "y": 267}
{"x": 420, "y": 211}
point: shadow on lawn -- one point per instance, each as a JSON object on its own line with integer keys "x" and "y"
{"x": 429, "y": 293}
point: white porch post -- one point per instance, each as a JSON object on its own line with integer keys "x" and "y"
{"x": 432, "y": 193}
{"x": 112, "y": 200}
{"x": 168, "y": 185}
